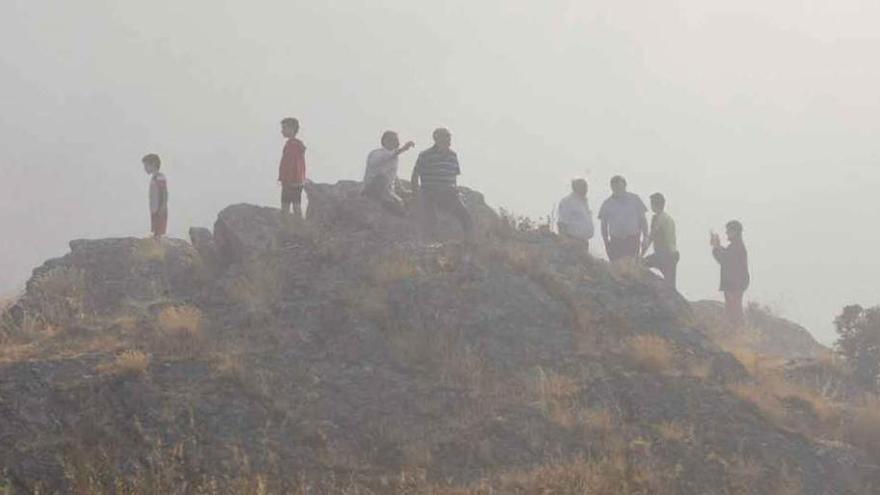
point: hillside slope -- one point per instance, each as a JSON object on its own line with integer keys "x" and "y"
{"x": 345, "y": 354}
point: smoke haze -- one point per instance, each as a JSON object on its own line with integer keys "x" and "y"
{"x": 763, "y": 111}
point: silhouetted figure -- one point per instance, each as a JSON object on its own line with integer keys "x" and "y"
{"x": 434, "y": 179}
{"x": 380, "y": 178}
{"x": 292, "y": 169}
{"x": 158, "y": 195}
{"x": 575, "y": 220}
{"x": 734, "y": 263}
{"x": 665, "y": 256}
{"x": 623, "y": 222}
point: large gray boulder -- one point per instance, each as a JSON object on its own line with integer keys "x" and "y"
{"x": 108, "y": 275}
{"x": 245, "y": 231}
{"x": 341, "y": 206}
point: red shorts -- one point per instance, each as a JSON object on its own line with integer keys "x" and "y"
{"x": 159, "y": 222}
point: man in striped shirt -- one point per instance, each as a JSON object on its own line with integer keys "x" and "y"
{"x": 434, "y": 178}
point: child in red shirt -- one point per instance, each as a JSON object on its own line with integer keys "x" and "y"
{"x": 292, "y": 169}
{"x": 158, "y": 195}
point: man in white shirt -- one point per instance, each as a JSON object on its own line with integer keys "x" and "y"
{"x": 575, "y": 220}
{"x": 380, "y": 178}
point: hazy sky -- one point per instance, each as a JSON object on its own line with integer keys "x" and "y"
{"x": 764, "y": 111}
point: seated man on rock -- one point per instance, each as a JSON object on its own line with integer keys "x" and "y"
{"x": 380, "y": 178}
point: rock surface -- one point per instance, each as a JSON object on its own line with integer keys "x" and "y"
{"x": 345, "y": 346}
{"x": 764, "y": 332}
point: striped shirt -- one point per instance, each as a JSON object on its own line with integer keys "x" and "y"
{"x": 437, "y": 169}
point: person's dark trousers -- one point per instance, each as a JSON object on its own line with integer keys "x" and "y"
{"x": 667, "y": 263}
{"x": 378, "y": 190}
{"x": 449, "y": 201}
{"x": 733, "y": 306}
{"x": 623, "y": 247}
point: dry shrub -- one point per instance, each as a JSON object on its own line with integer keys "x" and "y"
{"x": 180, "y": 331}
{"x": 228, "y": 367}
{"x": 673, "y": 431}
{"x": 394, "y": 269}
{"x": 743, "y": 474}
{"x": 774, "y": 396}
{"x": 556, "y": 396}
{"x": 443, "y": 351}
{"x": 597, "y": 420}
{"x": 60, "y": 295}
{"x": 618, "y": 472}
{"x": 743, "y": 348}
{"x": 650, "y": 353}
{"x": 698, "y": 368}
{"x": 257, "y": 287}
{"x": 129, "y": 363}
{"x": 862, "y": 426}
{"x": 181, "y": 320}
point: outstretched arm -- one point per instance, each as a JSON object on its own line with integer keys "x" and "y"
{"x": 403, "y": 149}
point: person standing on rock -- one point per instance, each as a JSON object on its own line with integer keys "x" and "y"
{"x": 158, "y": 195}
{"x": 435, "y": 181}
{"x": 575, "y": 220}
{"x": 665, "y": 256}
{"x": 292, "y": 169}
{"x": 623, "y": 222}
{"x": 380, "y": 178}
{"x": 734, "y": 261}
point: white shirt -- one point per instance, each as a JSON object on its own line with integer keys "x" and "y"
{"x": 381, "y": 162}
{"x": 575, "y": 215}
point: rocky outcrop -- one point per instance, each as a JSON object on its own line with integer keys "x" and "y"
{"x": 107, "y": 276}
{"x": 764, "y": 332}
{"x": 346, "y": 346}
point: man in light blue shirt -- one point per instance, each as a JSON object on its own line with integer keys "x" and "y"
{"x": 623, "y": 222}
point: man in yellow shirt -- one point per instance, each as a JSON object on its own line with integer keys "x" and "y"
{"x": 665, "y": 256}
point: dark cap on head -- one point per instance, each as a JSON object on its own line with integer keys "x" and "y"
{"x": 290, "y": 122}
{"x": 658, "y": 199}
{"x": 440, "y": 132}
{"x": 734, "y": 226}
{"x": 152, "y": 159}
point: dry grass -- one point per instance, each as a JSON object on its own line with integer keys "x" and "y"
{"x": 60, "y": 296}
{"x": 792, "y": 406}
{"x": 150, "y": 249}
{"x": 556, "y": 396}
{"x": 650, "y": 353}
{"x": 228, "y": 367}
{"x": 393, "y": 269}
{"x": 180, "y": 332}
{"x": 370, "y": 302}
{"x": 672, "y": 431}
{"x": 597, "y": 420}
{"x": 129, "y": 363}
{"x": 183, "y": 321}
{"x": 861, "y": 426}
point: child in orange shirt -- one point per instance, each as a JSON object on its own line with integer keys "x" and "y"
{"x": 292, "y": 169}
